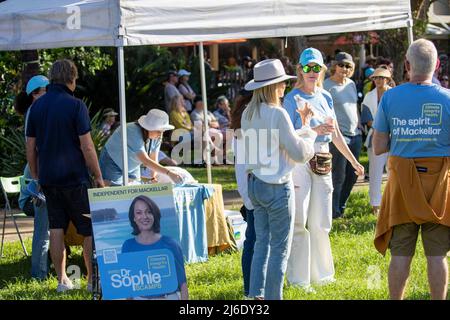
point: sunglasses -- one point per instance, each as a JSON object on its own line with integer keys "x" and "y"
{"x": 315, "y": 68}
{"x": 378, "y": 78}
{"x": 346, "y": 66}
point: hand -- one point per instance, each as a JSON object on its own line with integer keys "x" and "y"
{"x": 324, "y": 128}
{"x": 359, "y": 169}
{"x": 305, "y": 113}
{"x": 175, "y": 177}
{"x": 99, "y": 183}
{"x": 154, "y": 179}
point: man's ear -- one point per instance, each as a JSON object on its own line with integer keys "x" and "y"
{"x": 407, "y": 65}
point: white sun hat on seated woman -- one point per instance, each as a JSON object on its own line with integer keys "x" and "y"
{"x": 267, "y": 72}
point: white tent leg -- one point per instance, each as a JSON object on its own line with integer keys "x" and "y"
{"x": 123, "y": 114}
{"x": 409, "y": 26}
{"x": 205, "y": 111}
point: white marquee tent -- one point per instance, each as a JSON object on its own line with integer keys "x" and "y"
{"x": 30, "y": 24}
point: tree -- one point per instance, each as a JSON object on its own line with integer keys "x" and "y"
{"x": 394, "y": 42}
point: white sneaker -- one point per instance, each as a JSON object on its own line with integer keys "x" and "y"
{"x": 63, "y": 287}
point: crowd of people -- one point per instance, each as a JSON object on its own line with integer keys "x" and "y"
{"x": 295, "y": 176}
{"x": 322, "y": 179}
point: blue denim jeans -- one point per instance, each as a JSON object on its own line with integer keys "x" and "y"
{"x": 112, "y": 172}
{"x": 273, "y": 214}
{"x": 247, "y": 252}
{"x": 40, "y": 245}
{"x": 343, "y": 174}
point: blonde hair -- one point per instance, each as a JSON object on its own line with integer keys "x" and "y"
{"x": 333, "y": 69}
{"x": 267, "y": 94}
{"x": 300, "y": 83}
{"x": 173, "y": 106}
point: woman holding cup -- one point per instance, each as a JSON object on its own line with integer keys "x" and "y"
{"x": 310, "y": 258}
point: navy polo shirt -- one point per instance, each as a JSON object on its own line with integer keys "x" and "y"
{"x": 56, "y": 120}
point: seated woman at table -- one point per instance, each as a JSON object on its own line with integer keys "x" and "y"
{"x": 143, "y": 142}
{"x": 145, "y": 217}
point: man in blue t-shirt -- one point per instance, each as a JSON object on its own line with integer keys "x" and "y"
{"x": 413, "y": 124}
{"x": 59, "y": 152}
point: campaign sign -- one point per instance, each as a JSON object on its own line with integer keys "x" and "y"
{"x": 140, "y": 272}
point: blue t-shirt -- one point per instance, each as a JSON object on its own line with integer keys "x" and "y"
{"x": 417, "y": 117}
{"x": 135, "y": 144}
{"x": 345, "y": 105}
{"x": 56, "y": 120}
{"x": 321, "y": 103}
{"x": 131, "y": 245}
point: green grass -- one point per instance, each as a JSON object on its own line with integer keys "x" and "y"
{"x": 361, "y": 272}
{"x": 223, "y": 175}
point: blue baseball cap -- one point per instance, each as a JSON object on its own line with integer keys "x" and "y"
{"x": 369, "y": 72}
{"x": 36, "y": 82}
{"x": 311, "y": 55}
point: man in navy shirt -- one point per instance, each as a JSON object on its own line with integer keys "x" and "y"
{"x": 60, "y": 151}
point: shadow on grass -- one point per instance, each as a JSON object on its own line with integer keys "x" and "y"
{"x": 358, "y": 217}
{"x": 17, "y": 269}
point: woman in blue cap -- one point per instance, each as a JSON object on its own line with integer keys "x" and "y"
{"x": 35, "y": 88}
{"x": 310, "y": 258}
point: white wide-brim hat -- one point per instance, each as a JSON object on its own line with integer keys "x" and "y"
{"x": 267, "y": 72}
{"x": 155, "y": 120}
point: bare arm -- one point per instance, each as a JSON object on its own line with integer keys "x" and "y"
{"x": 380, "y": 142}
{"x": 184, "y": 292}
{"x": 339, "y": 142}
{"x": 156, "y": 167}
{"x": 90, "y": 156}
{"x": 32, "y": 157}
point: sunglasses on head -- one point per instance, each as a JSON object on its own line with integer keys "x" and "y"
{"x": 315, "y": 68}
{"x": 346, "y": 66}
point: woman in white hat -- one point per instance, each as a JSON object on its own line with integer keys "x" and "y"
{"x": 271, "y": 147}
{"x": 311, "y": 259}
{"x": 382, "y": 78}
{"x": 143, "y": 142}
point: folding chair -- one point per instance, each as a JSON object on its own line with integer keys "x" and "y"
{"x": 11, "y": 186}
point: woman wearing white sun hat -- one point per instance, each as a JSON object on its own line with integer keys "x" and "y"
{"x": 144, "y": 141}
{"x": 269, "y": 159}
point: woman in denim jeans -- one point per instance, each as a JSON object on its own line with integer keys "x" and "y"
{"x": 273, "y": 148}
{"x": 241, "y": 103}
{"x": 36, "y": 87}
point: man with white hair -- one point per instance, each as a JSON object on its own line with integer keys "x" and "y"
{"x": 413, "y": 125}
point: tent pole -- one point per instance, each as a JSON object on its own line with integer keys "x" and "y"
{"x": 409, "y": 24}
{"x": 123, "y": 114}
{"x": 205, "y": 111}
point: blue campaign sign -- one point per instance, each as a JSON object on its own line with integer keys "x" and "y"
{"x": 141, "y": 273}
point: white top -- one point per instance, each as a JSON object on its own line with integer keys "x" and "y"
{"x": 271, "y": 146}
{"x": 241, "y": 179}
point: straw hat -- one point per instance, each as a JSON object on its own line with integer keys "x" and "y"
{"x": 267, "y": 72}
{"x": 381, "y": 72}
{"x": 155, "y": 120}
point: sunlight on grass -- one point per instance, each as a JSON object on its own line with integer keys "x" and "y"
{"x": 361, "y": 272}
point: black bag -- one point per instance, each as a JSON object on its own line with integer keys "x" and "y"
{"x": 28, "y": 208}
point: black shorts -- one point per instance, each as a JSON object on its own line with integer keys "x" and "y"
{"x": 67, "y": 204}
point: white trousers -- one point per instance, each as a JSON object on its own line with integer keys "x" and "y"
{"x": 310, "y": 259}
{"x": 376, "y": 166}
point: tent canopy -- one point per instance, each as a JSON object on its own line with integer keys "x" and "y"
{"x": 29, "y": 24}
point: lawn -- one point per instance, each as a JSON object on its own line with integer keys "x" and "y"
{"x": 361, "y": 272}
